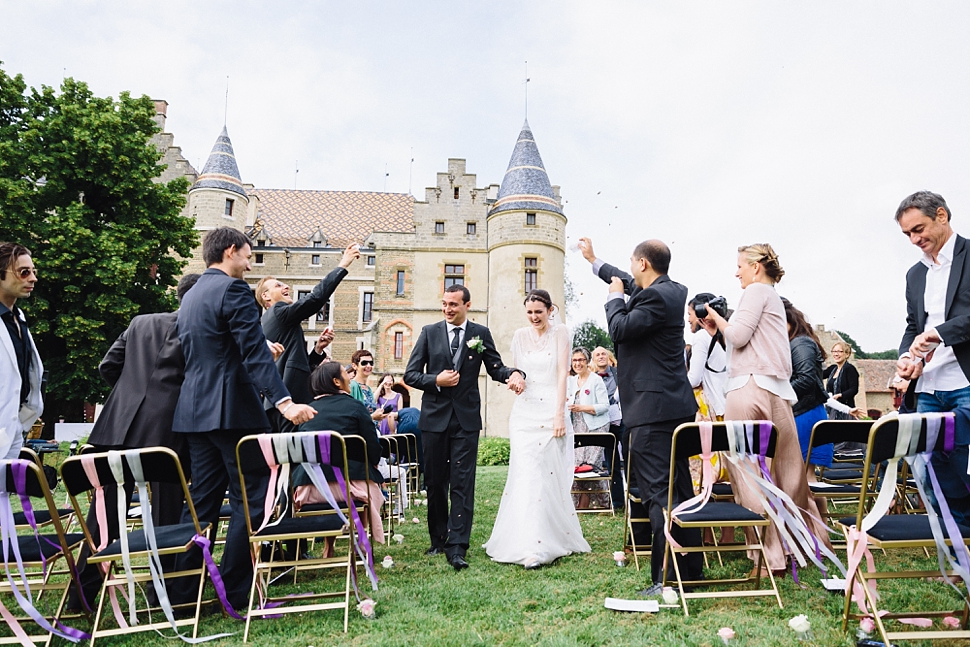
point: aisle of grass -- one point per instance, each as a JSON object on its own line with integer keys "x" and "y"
{"x": 422, "y": 601}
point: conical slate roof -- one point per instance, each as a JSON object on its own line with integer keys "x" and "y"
{"x": 220, "y": 170}
{"x": 526, "y": 185}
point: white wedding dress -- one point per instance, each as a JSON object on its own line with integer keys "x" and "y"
{"x": 536, "y": 518}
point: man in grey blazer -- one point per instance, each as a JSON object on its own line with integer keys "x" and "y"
{"x": 935, "y": 348}
{"x": 648, "y": 333}
{"x": 283, "y": 323}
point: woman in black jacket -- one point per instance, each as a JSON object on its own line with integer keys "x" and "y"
{"x": 843, "y": 378}
{"x": 338, "y": 411}
{"x": 806, "y": 380}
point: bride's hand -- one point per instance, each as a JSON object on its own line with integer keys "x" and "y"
{"x": 559, "y": 427}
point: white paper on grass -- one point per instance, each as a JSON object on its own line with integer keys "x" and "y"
{"x": 639, "y": 606}
{"x": 834, "y": 584}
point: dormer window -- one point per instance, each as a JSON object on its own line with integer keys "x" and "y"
{"x": 260, "y": 243}
{"x": 317, "y": 243}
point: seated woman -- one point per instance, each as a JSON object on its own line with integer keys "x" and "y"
{"x": 337, "y": 411}
{"x": 588, "y": 403}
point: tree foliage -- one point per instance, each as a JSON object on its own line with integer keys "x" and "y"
{"x": 861, "y": 354}
{"x": 78, "y": 186}
{"x": 589, "y": 335}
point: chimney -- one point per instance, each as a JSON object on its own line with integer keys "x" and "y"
{"x": 161, "y": 108}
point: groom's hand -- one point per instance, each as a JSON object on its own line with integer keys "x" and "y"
{"x": 447, "y": 378}
{"x": 586, "y": 247}
{"x": 516, "y": 383}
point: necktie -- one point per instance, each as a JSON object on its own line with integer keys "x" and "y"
{"x": 454, "y": 346}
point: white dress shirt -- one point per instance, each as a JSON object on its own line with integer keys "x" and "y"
{"x": 943, "y": 372}
{"x": 461, "y": 335}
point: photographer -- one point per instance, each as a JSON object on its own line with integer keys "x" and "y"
{"x": 707, "y": 372}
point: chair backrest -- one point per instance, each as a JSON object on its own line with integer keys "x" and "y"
{"x": 407, "y": 445}
{"x": 388, "y": 445}
{"x": 606, "y": 441}
{"x": 33, "y": 488}
{"x": 827, "y": 432}
{"x": 882, "y": 438}
{"x": 158, "y": 463}
{"x": 760, "y": 437}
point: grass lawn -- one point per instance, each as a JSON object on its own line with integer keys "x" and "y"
{"x": 422, "y": 601}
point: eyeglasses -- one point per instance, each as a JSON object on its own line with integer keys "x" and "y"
{"x": 366, "y": 362}
{"x": 24, "y": 272}
{"x": 579, "y": 360}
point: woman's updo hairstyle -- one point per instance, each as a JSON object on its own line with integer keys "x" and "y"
{"x": 541, "y": 296}
{"x": 764, "y": 254}
{"x": 322, "y": 379}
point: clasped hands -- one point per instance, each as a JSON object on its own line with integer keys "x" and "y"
{"x": 921, "y": 351}
{"x": 449, "y": 378}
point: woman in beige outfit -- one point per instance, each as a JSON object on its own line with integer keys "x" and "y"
{"x": 759, "y": 388}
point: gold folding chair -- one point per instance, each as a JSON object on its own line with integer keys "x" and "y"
{"x": 408, "y": 460}
{"x": 836, "y": 491}
{"x": 895, "y": 531}
{"x": 715, "y": 514}
{"x": 314, "y": 450}
{"x": 38, "y": 555}
{"x": 600, "y": 482}
{"x": 631, "y": 498}
{"x": 90, "y": 472}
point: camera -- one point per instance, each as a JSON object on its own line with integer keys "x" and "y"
{"x": 718, "y": 304}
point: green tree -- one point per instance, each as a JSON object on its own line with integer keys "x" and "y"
{"x": 78, "y": 186}
{"x": 589, "y": 335}
{"x": 861, "y": 354}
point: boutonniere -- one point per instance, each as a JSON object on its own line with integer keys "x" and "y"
{"x": 476, "y": 344}
{"x": 586, "y": 391}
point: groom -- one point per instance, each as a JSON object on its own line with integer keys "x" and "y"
{"x": 445, "y": 364}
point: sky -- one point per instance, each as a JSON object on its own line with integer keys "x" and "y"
{"x": 705, "y": 124}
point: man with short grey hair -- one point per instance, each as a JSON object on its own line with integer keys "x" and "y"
{"x": 935, "y": 349}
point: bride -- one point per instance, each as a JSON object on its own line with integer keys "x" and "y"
{"x": 536, "y": 522}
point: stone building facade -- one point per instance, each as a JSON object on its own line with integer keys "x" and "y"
{"x": 499, "y": 240}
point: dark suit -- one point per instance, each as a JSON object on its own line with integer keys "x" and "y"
{"x": 451, "y": 419}
{"x": 227, "y": 368}
{"x": 656, "y": 396}
{"x": 283, "y": 323}
{"x": 955, "y": 333}
{"x": 145, "y": 368}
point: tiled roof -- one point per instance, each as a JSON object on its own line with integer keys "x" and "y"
{"x": 526, "y": 185}
{"x": 221, "y": 171}
{"x": 291, "y": 216}
{"x": 878, "y": 372}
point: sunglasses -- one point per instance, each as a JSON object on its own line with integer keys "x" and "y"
{"x": 366, "y": 362}
{"x": 24, "y": 272}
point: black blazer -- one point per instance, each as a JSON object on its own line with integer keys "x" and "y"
{"x": 955, "y": 331}
{"x": 145, "y": 367}
{"x": 648, "y": 333}
{"x": 431, "y": 355}
{"x": 227, "y": 363}
{"x": 847, "y": 383}
{"x": 806, "y": 375}
{"x": 348, "y": 417}
{"x": 283, "y": 323}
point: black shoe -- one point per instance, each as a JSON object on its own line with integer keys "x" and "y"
{"x": 652, "y": 591}
{"x": 434, "y": 550}
{"x": 458, "y": 562}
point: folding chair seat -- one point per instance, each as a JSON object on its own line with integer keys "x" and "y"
{"x": 913, "y": 437}
{"x": 631, "y": 504}
{"x": 841, "y": 484}
{"x": 748, "y": 444}
{"x": 600, "y": 483}
{"x": 31, "y": 558}
{"x": 281, "y": 452}
{"x": 123, "y": 560}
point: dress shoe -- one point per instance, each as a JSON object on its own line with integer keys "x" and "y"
{"x": 434, "y": 550}
{"x": 652, "y": 591}
{"x": 533, "y": 565}
{"x": 458, "y": 562}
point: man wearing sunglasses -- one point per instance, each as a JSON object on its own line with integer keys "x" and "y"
{"x": 20, "y": 366}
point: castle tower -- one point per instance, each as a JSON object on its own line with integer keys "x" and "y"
{"x": 526, "y": 247}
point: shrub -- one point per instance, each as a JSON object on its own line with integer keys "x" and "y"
{"x": 493, "y": 451}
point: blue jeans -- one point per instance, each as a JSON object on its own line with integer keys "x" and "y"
{"x": 951, "y": 468}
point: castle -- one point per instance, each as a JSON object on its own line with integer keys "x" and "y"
{"x": 500, "y": 241}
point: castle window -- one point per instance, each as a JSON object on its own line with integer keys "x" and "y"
{"x": 259, "y": 259}
{"x": 439, "y": 227}
{"x": 531, "y": 274}
{"x": 399, "y": 345}
{"x": 315, "y": 259}
{"x": 457, "y": 192}
{"x": 317, "y": 243}
{"x": 324, "y": 315}
{"x": 367, "y": 311}
{"x": 471, "y": 228}
{"x": 260, "y": 243}
{"x": 229, "y": 203}
{"x": 400, "y": 283}
{"x": 371, "y": 261}
{"x": 454, "y": 275}
{"x": 530, "y": 219}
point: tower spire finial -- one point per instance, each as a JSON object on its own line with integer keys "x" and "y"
{"x": 527, "y": 90}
